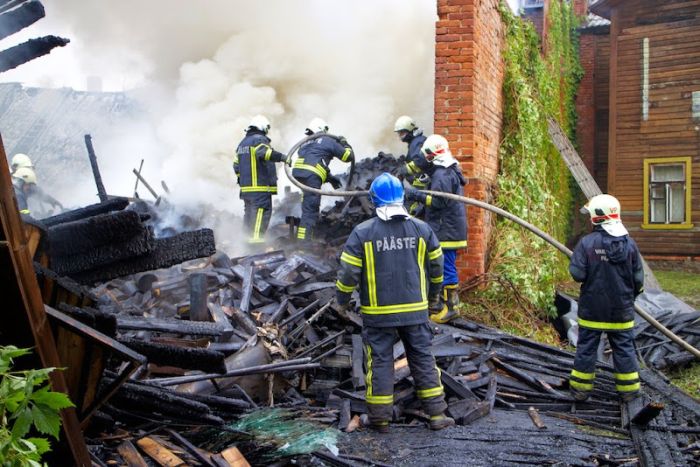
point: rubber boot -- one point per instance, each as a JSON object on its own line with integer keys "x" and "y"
{"x": 448, "y": 311}
{"x": 439, "y": 422}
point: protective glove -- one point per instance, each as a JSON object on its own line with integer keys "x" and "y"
{"x": 343, "y": 141}
{"x": 411, "y": 194}
{"x": 334, "y": 181}
{"x": 402, "y": 172}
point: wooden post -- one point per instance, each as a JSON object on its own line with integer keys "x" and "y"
{"x": 23, "y": 309}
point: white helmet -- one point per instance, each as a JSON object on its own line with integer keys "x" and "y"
{"x": 261, "y": 123}
{"x": 436, "y": 149}
{"x": 404, "y": 123}
{"x": 316, "y": 125}
{"x": 26, "y": 174}
{"x": 21, "y": 160}
{"x": 605, "y": 211}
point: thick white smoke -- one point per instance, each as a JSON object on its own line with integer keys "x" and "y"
{"x": 203, "y": 69}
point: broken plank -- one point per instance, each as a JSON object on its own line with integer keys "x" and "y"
{"x": 234, "y": 457}
{"x": 159, "y": 453}
{"x": 130, "y": 455}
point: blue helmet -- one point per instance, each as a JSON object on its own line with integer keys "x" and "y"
{"x": 386, "y": 189}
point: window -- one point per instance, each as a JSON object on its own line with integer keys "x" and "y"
{"x": 667, "y": 192}
{"x": 533, "y": 3}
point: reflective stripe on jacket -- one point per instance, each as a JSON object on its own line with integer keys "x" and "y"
{"x": 255, "y": 164}
{"x": 415, "y": 160}
{"x": 316, "y": 154}
{"x": 611, "y": 275}
{"x": 397, "y": 265}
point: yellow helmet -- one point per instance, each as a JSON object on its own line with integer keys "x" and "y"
{"x": 404, "y": 123}
{"x": 26, "y": 174}
{"x": 21, "y": 160}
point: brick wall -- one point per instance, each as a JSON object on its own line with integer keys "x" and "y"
{"x": 585, "y": 102}
{"x": 468, "y": 107}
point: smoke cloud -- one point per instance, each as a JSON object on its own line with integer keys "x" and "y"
{"x": 203, "y": 69}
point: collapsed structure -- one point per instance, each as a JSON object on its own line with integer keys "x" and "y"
{"x": 214, "y": 358}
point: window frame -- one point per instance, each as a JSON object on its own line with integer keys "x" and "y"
{"x": 648, "y": 163}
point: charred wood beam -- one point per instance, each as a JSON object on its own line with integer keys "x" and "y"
{"x": 167, "y": 252}
{"x": 26, "y": 51}
{"x": 647, "y": 413}
{"x": 112, "y": 204}
{"x": 288, "y": 365}
{"x": 101, "y": 192}
{"x": 199, "y": 294}
{"x": 21, "y": 17}
{"x": 176, "y": 326}
{"x": 69, "y": 238}
{"x": 181, "y": 357}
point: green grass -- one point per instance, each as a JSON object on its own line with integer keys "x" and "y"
{"x": 688, "y": 379}
{"x": 683, "y": 284}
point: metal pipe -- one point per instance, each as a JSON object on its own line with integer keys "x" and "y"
{"x": 480, "y": 204}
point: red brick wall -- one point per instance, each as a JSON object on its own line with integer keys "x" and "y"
{"x": 468, "y": 107}
{"x": 585, "y": 102}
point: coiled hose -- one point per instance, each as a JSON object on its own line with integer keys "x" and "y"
{"x": 480, "y": 204}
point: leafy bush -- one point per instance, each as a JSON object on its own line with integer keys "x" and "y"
{"x": 26, "y": 401}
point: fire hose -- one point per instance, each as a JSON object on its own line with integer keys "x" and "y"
{"x": 480, "y": 204}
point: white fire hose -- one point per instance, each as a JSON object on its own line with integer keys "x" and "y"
{"x": 480, "y": 204}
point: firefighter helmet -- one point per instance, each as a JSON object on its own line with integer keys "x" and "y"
{"x": 436, "y": 148}
{"x": 261, "y": 123}
{"x": 26, "y": 174}
{"x": 404, "y": 123}
{"x": 605, "y": 211}
{"x": 21, "y": 160}
{"x": 316, "y": 125}
{"x": 386, "y": 189}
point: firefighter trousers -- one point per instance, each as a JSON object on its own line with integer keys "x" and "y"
{"x": 256, "y": 215}
{"x": 379, "y": 350}
{"x": 310, "y": 205}
{"x": 624, "y": 360}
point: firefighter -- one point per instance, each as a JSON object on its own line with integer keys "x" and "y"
{"x": 254, "y": 165}
{"x": 311, "y": 169}
{"x": 416, "y": 168}
{"x": 447, "y": 218}
{"x": 396, "y": 261}
{"x": 22, "y": 161}
{"x": 608, "y": 265}
{"x": 23, "y": 179}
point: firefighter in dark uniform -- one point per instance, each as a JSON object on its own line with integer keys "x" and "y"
{"x": 254, "y": 165}
{"x": 447, "y": 218}
{"x": 311, "y": 169}
{"x": 608, "y": 265}
{"x": 416, "y": 169}
{"x": 396, "y": 261}
{"x": 23, "y": 180}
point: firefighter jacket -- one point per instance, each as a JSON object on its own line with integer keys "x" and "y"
{"x": 317, "y": 153}
{"x": 611, "y": 275}
{"x": 416, "y": 163}
{"x": 17, "y": 185}
{"x": 447, "y": 218}
{"x": 397, "y": 265}
{"x": 254, "y": 164}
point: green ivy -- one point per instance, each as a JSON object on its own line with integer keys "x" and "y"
{"x": 26, "y": 403}
{"x": 534, "y": 183}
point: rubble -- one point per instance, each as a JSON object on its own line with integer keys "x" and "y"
{"x": 234, "y": 352}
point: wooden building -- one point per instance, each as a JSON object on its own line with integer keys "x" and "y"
{"x": 649, "y": 154}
